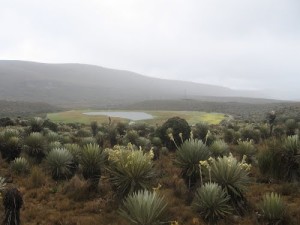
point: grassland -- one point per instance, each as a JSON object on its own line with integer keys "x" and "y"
{"x": 159, "y": 117}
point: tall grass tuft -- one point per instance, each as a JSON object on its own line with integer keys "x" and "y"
{"x": 20, "y": 166}
{"x": 212, "y": 202}
{"x": 144, "y": 208}
{"x": 59, "y": 162}
{"x": 131, "y": 170}
{"x": 273, "y": 208}
{"x": 188, "y": 156}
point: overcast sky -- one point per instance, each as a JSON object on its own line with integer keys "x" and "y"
{"x": 241, "y": 44}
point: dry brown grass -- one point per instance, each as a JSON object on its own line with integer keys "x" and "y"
{"x": 47, "y": 202}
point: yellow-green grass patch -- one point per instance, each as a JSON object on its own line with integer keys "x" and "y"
{"x": 159, "y": 117}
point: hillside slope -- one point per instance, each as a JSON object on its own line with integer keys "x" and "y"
{"x": 79, "y": 85}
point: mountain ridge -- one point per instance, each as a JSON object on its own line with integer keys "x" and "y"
{"x": 83, "y": 85}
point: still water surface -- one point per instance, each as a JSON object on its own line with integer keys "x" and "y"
{"x": 127, "y": 115}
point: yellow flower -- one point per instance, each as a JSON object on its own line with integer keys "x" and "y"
{"x": 157, "y": 188}
{"x": 203, "y": 163}
{"x": 174, "y": 222}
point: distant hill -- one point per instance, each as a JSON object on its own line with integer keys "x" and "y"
{"x": 254, "y": 109}
{"x": 79, "y": 85}
{"x": 24, "y": 109}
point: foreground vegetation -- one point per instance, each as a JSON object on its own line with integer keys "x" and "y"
{"x": 235, "y": 172}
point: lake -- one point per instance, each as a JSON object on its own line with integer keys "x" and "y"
{"x": 126, "y": 115}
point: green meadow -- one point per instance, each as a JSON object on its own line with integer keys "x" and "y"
{"x": 159, "y": 117}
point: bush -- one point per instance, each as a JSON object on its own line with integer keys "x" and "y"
{"x": 144, "y": 208}
{"x": 281, "y": 159}
{"x": 92, "y": 159}
{"x": 246, "y": 148}
{"x": 291, "y": 125}
{"x": 188, "y": 156}
{"x": 59, "y": 162}
{"x": 20, "y": 166}
{"x": 200, "y": 131}
{"x": 229, "y": 135}
{"x": 131, "y": 170}
{"x": 35, "y": 146}
{"x": 36, "y": 124}
{"x": 10, "y": 144}
{"x": 175, "y": 125}
{"x": 52, "y": 136}
{"x": 212, "y": 203}
{"x": 273, "y": 209}
{"x": 219, "y": 148}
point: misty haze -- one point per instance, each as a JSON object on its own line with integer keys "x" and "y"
{"x": 130, "y": 112}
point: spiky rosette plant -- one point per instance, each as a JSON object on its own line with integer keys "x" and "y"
{"x": 35, "y": 146}
{"x": 12, "y": 202}
{"x": 232, "y": 176}
{"x": 144, "y": 208}
{"x": 60, "y": 163}
{"x": 92, "y": 159}
{"x": 52, "y": 136}
{"x": 36, "y": 124}
{"x": 53, "y": 145}
{"x": 10, "y": 144}
{"x": 20, "y": 166}
{"x": 131, "y": 170}
{"x": 273, "y": 209}
{"x": 212, "y": 203}
{"x": 188, "y": 156}
{"x": 2, "y": 185}
{"x": 246, "y": 148}
{"x": 75, "y": 150}
{"x": 219, "y": 148}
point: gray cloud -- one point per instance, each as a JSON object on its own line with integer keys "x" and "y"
{"x": 249, "y": 44}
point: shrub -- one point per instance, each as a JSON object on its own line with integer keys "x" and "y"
{"x": 265, "y": 161}
{"x": 83, "y": 133}
{"x": 36, "y": 124}
{"x": 143, "y": 142}
{"x": 92, "y": 159}
{"x": 10, "y": 144}
{"x": 188, "y": 156}
{"x": 131, "y": 170}
{"x": 212, "y": 203}
{"x": 246, "y": 148}
{"x": 75, "y": 150}
{"x": 200, "y": 131}
{"x": 94, "y": 128}
{"x": 229, "y": 135}
{"x": 156, "y": 141}
{"x": 20, "y": 166}
{"x": 291, "y": 126}
{"x": 273, "y": 208}
{"x": 175, "y": 125}
{"x": 52, "y": 136}
{"x": 232, "y": 176}
{"x": 35, "y": 146}
{"x": 144, "y": 208}
{"x": 59, "y": 162}
{"x": 53, "y": 145}
{"x": 292, "y": 144}
{"x": 281, "y": 159}
{"x": 219, "y": 148}
{"x": 37, "y": 178}
{"x": 87, "y": 140}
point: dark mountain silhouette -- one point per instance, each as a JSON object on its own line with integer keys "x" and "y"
{"x": 80, "y": 85}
